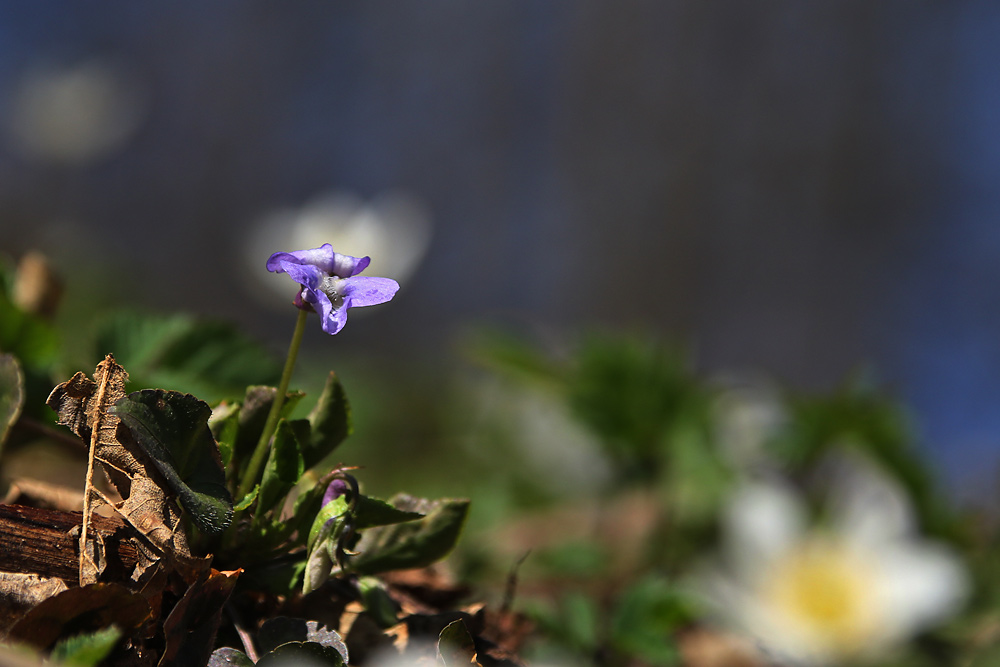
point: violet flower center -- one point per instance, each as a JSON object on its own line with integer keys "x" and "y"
{"x": 330, "y": 285}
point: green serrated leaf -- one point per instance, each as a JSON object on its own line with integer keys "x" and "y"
{"x": 415, "y": 543}
{"x": 283, "y": 469}
{"x": 370, "y": 512}
{"x": 330, "y": 420}
{"x": 86, "y": 650}
{"x": 172, "y": 428}
{"x": 11, "y": 393}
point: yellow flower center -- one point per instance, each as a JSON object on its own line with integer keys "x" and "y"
{"x": 825, "y": 592}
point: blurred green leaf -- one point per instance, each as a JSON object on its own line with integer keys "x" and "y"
{"x": 86, "y": 650}
{"x": 33, "y": 340}
{"x": 330, "y": 420}
{"x": 574, "y": 558}
{"x": 172, "y": 428}
{"x": 858, "y": 416}
{"x": 209, "y": 358}
{"x": 377, "y": 601}
{"x": 516, "y": 357}
{"x": 632, "y": 392}
{"x": 645, "y": 618}
{"x": 11, "y": 393}
{"x": 414, "y": 543}
{"x": 283, "y": 469}
{"x": 698, "y": 480}
{"x": 580, "y": 621}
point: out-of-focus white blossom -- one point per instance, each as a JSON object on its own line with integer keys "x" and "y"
{"x": 851, "y": 588}
{"x": 74, "y": 115}
{"x": 394, "y": 229}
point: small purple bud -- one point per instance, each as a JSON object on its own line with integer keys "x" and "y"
{"x": 334, "y": 490}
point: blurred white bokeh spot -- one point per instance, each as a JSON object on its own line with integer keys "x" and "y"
{"x": 394, "y": 229}
{"x": 74, "y": 114}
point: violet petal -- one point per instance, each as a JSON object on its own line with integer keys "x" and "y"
{"x": 365, "y": 291}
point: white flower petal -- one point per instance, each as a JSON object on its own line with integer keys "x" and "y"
{"x": 922, "y": 584}
{"x": 762, "y": 522}
{"x": 869, "y": 508}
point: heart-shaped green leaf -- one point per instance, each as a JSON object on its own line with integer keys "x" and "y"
{"x": 172, "y": 429}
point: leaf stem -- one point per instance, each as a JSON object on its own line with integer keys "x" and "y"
{"x": 253, "y": 470}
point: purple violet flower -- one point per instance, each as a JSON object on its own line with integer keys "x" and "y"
{"x": 330, "y": 283}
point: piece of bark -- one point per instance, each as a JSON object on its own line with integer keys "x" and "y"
{"x": 39, "y": 555}
{"x": 45, "y": 542}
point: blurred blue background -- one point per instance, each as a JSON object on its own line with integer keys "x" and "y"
{"x": 797, "y": 188}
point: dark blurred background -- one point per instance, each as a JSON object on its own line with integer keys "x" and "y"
{"x": 797, "y": 188}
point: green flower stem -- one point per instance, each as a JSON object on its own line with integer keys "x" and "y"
{"x": 253, "y": 471}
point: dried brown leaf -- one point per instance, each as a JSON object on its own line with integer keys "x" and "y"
{"x": 78, "y": 610}
{"x": 191, "y": 626}
{"x": 82, "y": 405}
{"x": 20, "y": 591}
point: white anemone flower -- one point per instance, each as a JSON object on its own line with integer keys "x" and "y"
{"x": 856, "y": 586}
